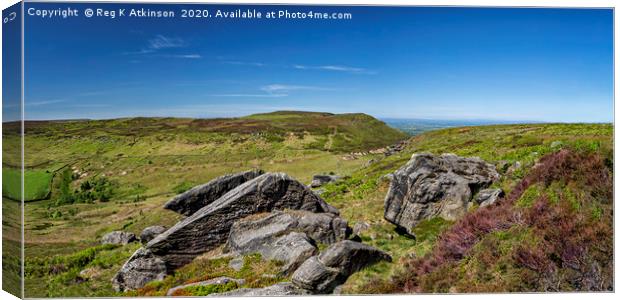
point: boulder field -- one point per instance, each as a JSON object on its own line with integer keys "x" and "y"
{"x": 282, "y": 219}
{"x": 271, "y": 214}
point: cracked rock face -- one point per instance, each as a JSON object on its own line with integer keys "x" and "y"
{"x": 200, "y": 196}
{"x": 141, "y": 268}
{"x": 290, "y": 237}
{"x": 321, "y": 274}
{"x": 429, "y": 186}
{"x": 210, "y": 226}
{"x": 252, "y": 233}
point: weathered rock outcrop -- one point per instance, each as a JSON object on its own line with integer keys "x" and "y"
{"x": 214, "y": 281}
{"x": 324, "y": 272}
{"x": 320, "y": 180}
{"x": 278, "y": 289}
{"x": 150, "y": 233}
{"x": 255, "y": 232}
{"x": 292, "y": 249}
{"x": 200, "y": 196}
{"x": 489, "y": 196}
{"x": 290, "y": 236}
{"x": 429, "y": 186}
{"x": 141, "y": 268}
{"x": 210, "y": 226}
{"x": 118, "y": 238}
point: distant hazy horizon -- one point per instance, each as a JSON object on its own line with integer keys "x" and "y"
{"x": 390, "y": 120}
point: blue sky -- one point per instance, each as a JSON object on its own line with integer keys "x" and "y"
{"x": 439, "y": 63}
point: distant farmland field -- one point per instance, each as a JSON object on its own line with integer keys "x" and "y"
{"x": 37, "y": 184}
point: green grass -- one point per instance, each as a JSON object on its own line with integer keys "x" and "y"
{"x": 152, "y": 159}
{"x": 360, "y": 197}
{"x": 255, "y": 271}
{"x": 204, "y": 290}
{"x": 36, "y": 184}
{"x": 58, "y": 276}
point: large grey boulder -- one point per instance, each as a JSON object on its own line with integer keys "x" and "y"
{"x": 141, "y": 268}
{"x": 278, "y": 289}
{"x": 150, "y": 233}
{"x": 320, "y": 180}
{"x": 429, "y": 186}
{"x": 291, "y": 249}
{"x": 255, "y": 232}
{"x": 118, "y": 238}
{"x": 200, "y": 196}
{"x": 215, "y": 281}
{"x": 489, "y": 196}
{"x": 210, "y": 226}
{"x": 323, "y": 273}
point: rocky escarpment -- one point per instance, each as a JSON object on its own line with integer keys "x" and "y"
{"x": 272, "y": 214}
{"x": 429, "y": 186}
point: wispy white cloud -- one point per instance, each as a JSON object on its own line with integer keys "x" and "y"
{"x": 336, "y": 68}
{"x": 272, "y": 88}
{"x": 91, "y": 93}
{"x": 244, "y": 63}
{"x": 159, "y": 42}
{"x": 163, "y": 42}
{"x": 43, "y": 102}
{"x": 194, "y": 56}
{"x": 90, "y": 105}
{"x": 188, "y": 56}
{"x": 273, "y": 91}
{"x": 250, "y": 95}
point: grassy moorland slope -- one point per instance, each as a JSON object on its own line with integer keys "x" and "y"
{"x": 85, "y": 178}
{"x": 165, "y": 156}
{"x": 554, "y": 231}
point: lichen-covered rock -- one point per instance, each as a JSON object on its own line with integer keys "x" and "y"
{"x": 489, "y": 196}
{"x": 215, "y": 281}
{"x": 253, "y": 233}
{"x": 278, "y": 289}
{"x": 150, "y": 233}
{"x": 321, "y": 274}
{"x": 118, "y": 238}
{"x": 141, "y": 268}
{"x": 429, "y": 186}
{"x": 210, "y": 226}
{"x": 273, "y": 242}
{"x": 200, "y": 196}
{"x": 292, "y": 249}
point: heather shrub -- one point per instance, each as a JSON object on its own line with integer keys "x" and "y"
{"x": 552, "y": 232}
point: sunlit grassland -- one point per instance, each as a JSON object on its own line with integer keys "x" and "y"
{"x": 150, "y": 162}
